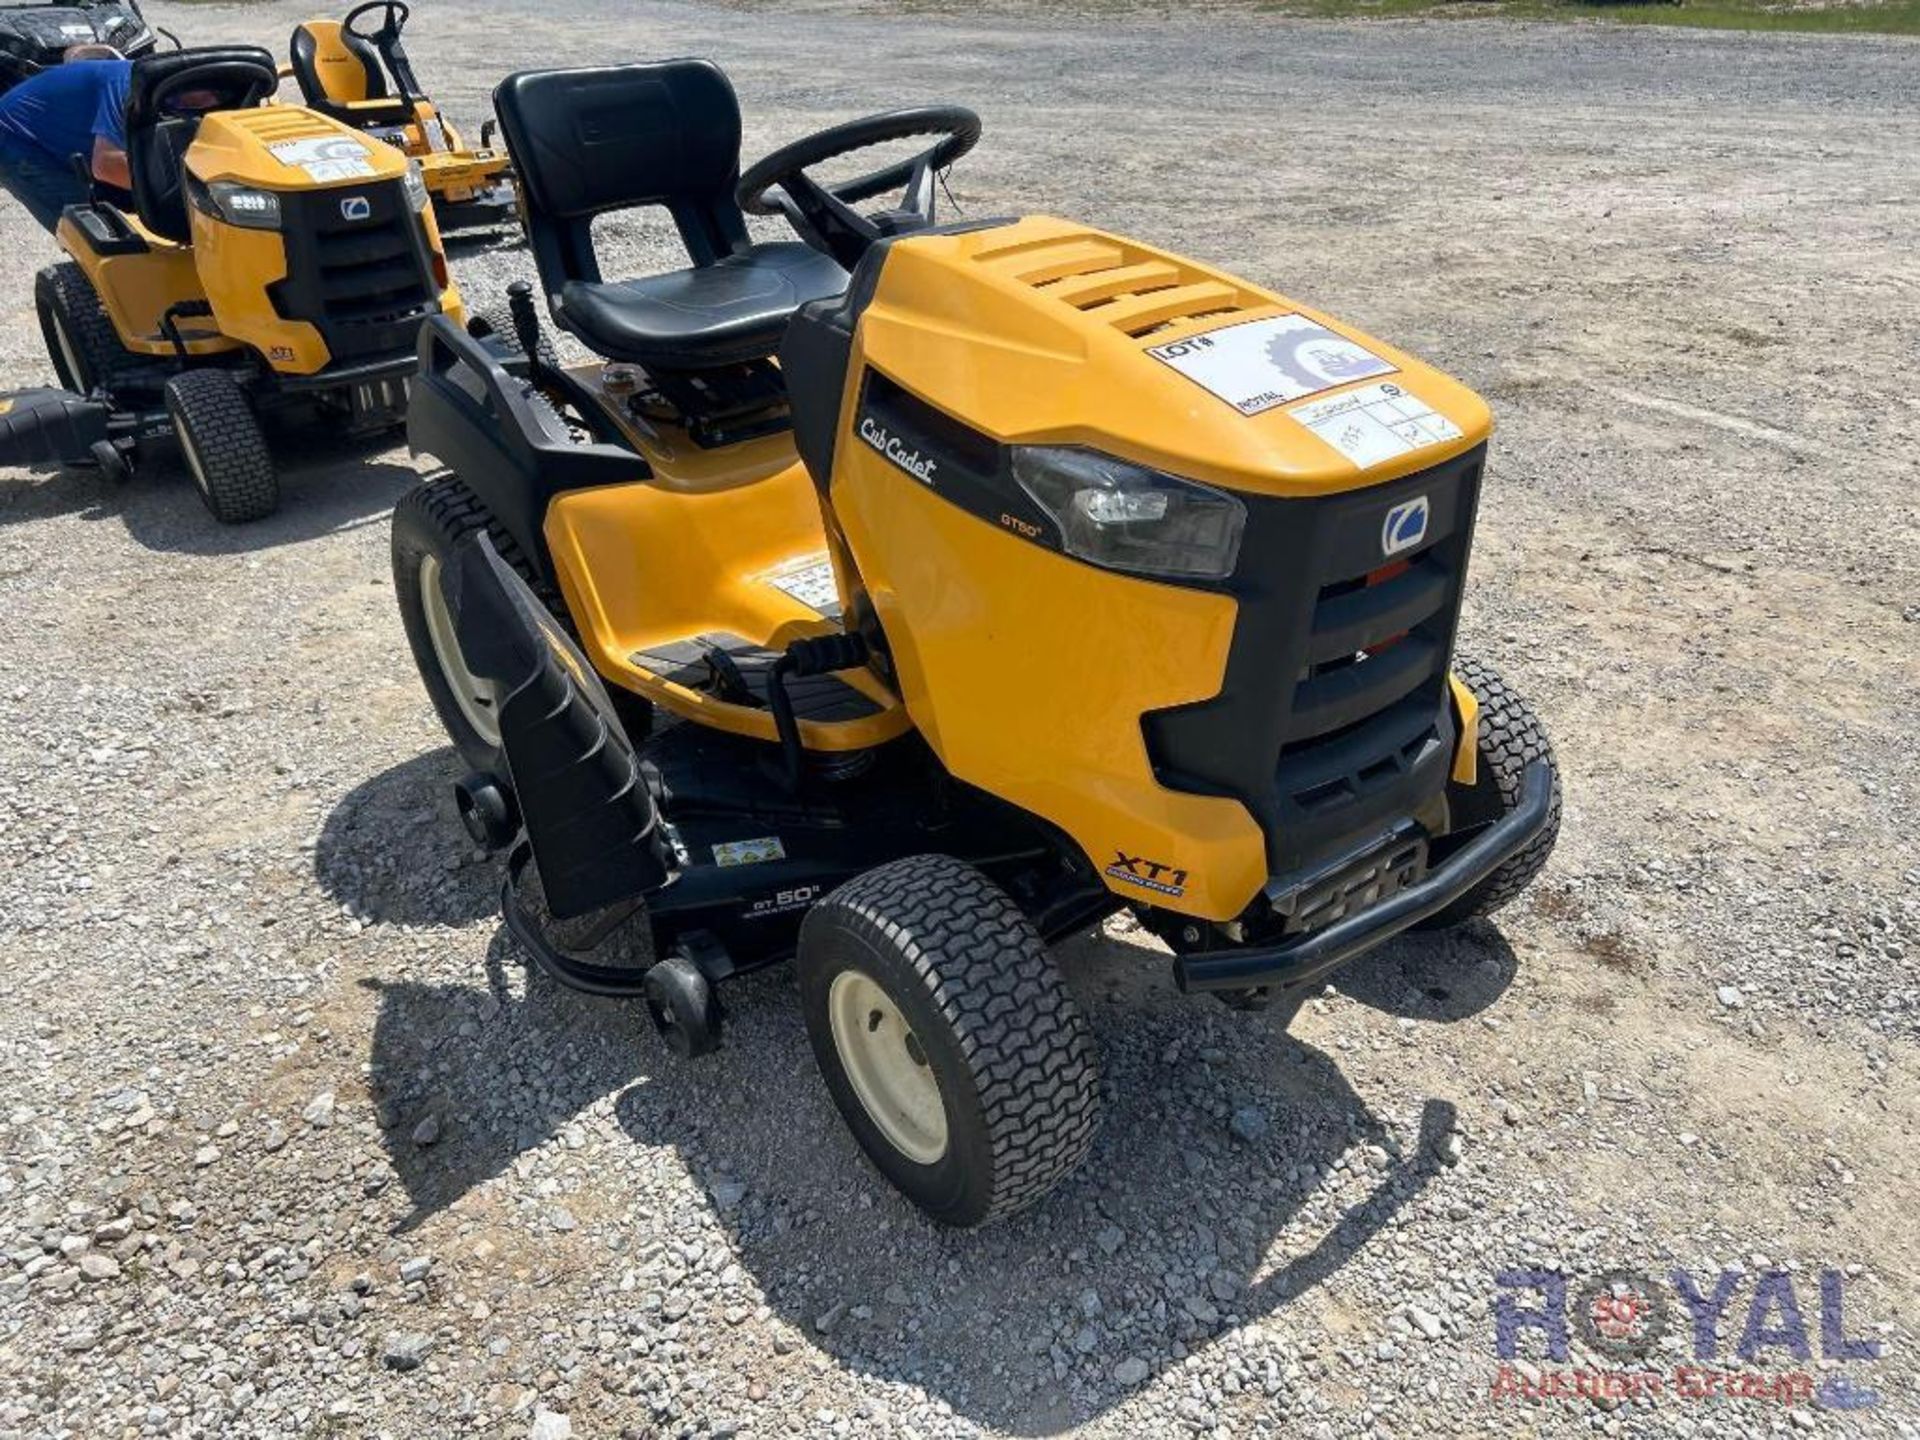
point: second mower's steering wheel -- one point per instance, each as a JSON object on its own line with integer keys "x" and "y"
{"x": 824, "y": 216}
{"x": 393, "y": 21}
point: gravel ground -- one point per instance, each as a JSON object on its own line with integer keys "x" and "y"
{"x": 292, "y": 1144}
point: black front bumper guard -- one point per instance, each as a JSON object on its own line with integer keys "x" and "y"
{"x": 1305, "y": 958}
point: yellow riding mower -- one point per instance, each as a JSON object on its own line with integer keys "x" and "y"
{"x": 270, "y": 258}
{"x": 993, "y": 577}
{"x": 358, "y": 73}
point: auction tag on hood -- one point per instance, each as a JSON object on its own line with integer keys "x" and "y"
{"x": 1376, "y": 423}
{"x": 1259, "y": 364}
{"x": 326, "y": 157}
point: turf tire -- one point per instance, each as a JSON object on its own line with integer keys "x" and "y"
{"x": 1511, "y": 737}
{"x": 222, "y": 446}
{"x": 430, "y": 520}
{"x": 498, "y": 327}
{"x": 69, "y": 305}
{"x": 1009, "y": 1049}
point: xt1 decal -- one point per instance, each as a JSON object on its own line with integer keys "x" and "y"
{"x": 1148, "y": 874}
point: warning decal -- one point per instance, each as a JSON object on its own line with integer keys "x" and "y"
{"x": 812, "y": 585}
{"x": 325, "y": 157}
{"x": 1259, "y": 364}
{"x": 749, "y": 852}
{"x": 1375, "y": 423}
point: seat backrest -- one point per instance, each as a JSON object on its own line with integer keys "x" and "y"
{"x": 613, "y": 137}
{"x": 333, "y": 67}
{"x": 230, "y": 77}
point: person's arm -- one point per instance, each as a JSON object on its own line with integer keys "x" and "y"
{"x": 110, "y": 164}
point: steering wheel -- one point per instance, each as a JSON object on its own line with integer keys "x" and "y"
{"x": 238, "y": 82}
{"x": 396, "y": 15}
{"x": 825, "y": 217}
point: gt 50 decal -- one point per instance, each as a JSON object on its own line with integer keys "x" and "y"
{"x": 1148, "y": 874}
{"x": 783, "y": 901}
{"x": 921, "y": 467}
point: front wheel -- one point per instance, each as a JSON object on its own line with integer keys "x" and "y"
{"x": 947, "y": 1039}
{"x": 224, "y": 448}
{"x": 1511, "y": 737}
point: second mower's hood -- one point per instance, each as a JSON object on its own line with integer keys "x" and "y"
{"x": 34, "y": 37}
{"x": 1042, "y": 331}
{"x": 284, "y": 147}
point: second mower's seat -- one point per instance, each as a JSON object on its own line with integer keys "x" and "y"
{"x": 617, "y": 137}
{"x": 340, "y": 75}
{"x": 160, "y": 123}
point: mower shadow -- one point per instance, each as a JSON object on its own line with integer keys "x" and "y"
{"x": 325, "y": 486}
{"x": 393, "y": 849}
{"x": 1173, "y": 1235}
{"x": 1443, "y": 977}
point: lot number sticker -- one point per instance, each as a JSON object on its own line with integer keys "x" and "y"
{"x": 330, "y": 157}
{"x": 1375, "y": 423}
{"x": 1259, "y": 364}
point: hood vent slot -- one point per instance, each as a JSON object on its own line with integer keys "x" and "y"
{"x": 1136, "y": 291}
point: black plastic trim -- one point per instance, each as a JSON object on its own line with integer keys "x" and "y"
{"x": 501, "y": 437}
{"x": 1301, "y": 961}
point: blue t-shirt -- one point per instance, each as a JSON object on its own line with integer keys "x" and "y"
{"x": 61, "y": 110}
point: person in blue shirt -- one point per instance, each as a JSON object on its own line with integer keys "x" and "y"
{"x": 76, "y": 108}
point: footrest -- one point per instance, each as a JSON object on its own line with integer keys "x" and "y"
{"x": 735, "y": 670}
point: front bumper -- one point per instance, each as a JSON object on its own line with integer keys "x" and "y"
{"x": 1305, "y": 958}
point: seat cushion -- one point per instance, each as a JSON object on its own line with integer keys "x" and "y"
{"x": 705, "y": 317}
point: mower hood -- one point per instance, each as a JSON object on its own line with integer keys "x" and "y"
{"x": 1044, "y": 332}
{"x": 283, "y": 147}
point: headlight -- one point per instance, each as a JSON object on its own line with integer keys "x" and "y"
{"x": 243, "y": 205}
{"x": 1127, "y": 517}
{"x": 415, "y": 184}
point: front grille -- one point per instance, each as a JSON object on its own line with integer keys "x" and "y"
{"x": 1333, "y": 722}
{"x": 358, "y": 268}
{"x": 1364, "y": 712}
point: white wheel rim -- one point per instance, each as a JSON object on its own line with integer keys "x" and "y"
{"x": 887, "y": 1067}
{"x": 68, "y": 352}
{"x": 478, "y": 699}
{"x": 192, "y": 452}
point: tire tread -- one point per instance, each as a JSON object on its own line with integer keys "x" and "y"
{"x": 1511, "y": 738}
{"x": 989, "y": 975}
{"x": 236, "y": 464}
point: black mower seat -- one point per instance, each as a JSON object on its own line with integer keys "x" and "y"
{"x": 159, "y": 132}
{"x": 726, "y": 313}
{"x": 589, "y": 141}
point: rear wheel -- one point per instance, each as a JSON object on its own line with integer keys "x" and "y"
{"x": 85, "y": 348}
{"x": 947, "y": 1038}
{"x": 1511, "y": 737}
{"x": 223, "y": 446}
{"x": 428, "y": 523}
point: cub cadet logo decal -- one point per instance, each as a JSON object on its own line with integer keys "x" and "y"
{"x": 911, "y": 461}
{"x": 1406, "y": 526}
{"x": 1149, "y": 874}
{"x": 356, "y": 207}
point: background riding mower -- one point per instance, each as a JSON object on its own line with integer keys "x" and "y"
{"x": 35, "y": 37}
{"x": 273, "y": 258}
{"x": 361, "y": 77}
{"x": 1044, "y": 574}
